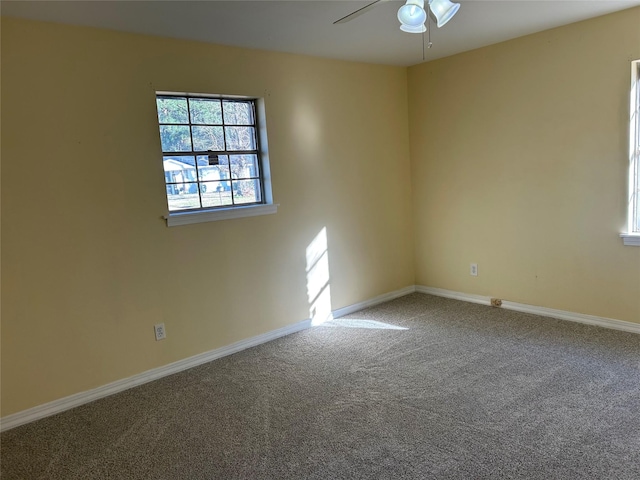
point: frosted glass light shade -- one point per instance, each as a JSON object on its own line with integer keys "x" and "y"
{"x": 412, "y": 14}
{"x": 443, "y": 10}
{"x": 418, "y": 29}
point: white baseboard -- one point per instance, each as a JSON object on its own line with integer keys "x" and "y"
{"x": 341, "y": 312}
{"x": 465, "y": 297}
{"x": 66, "y": 403}
{"x": 542, "y": 311}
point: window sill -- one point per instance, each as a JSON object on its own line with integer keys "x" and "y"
{"x": 631, "y": 239}
{"x": 201, "y": 216}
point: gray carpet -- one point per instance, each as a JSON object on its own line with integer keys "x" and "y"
{"x": 463, "y": 392}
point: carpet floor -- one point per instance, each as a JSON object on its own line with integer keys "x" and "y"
{"x": 418, "y": 388}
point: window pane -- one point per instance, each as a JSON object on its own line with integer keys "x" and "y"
{"x": 208, "y": 138}
{"x": 205, "y": 110}
{"x": 212, "y": 174}
{"x": 215, "y": 194}
{"x": 182, "y": 188}
{"x": 214, "y": 160}
{"x": 175, "y": 138}
{"x": 213, "y": 187}
{"x": 179, "y": 169}
{"x": 223, "y": 160}
{"x": 178, "y": 162}
{"x": 172, "y": 110}
{"x": 183, "y": 196}
{"x": 247, "y": 191}
{"x": 240, "y": 138}
{"x": 238, "y": 113}
{"x": 244, "y": 166}
{"x": 203, "y": 161}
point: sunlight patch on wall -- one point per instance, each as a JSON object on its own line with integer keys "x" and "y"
{"x": 318, "y": 288}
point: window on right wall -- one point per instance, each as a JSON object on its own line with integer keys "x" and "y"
{"x": 632, "y": 237}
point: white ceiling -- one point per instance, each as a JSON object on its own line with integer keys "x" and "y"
{"x": 306, "y": 26}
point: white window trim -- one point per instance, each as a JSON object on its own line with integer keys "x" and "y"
{"x": 238, "y": 211}
{"x": 201, "y": 216}
{"x": 631, "y": 237}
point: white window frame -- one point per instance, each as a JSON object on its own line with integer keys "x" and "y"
{"x": 236, "y": 211}
{"x": 632, "y": 235}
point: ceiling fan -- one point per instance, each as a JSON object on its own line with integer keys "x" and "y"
{"x": 412, "y": 15}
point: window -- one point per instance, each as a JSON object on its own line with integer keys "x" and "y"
{"x": 632, "y": 237}
{"x": 213, "y": 158}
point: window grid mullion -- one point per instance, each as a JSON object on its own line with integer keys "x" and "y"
{"x": 195, "y": 157}
{"x": 224, "y": 136}
{"x": 205, "y": 152}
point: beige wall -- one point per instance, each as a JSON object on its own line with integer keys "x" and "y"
{"x": 519, "y": 163}
{"x": 89, "y": 266}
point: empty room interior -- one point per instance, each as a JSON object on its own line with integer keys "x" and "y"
{"x": 334, "y": 318}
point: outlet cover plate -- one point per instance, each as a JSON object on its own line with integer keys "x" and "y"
{"x": 160, "y": 332}
{"x": 473, "y": 269}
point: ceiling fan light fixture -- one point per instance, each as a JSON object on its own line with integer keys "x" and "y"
{"x": 412, "y": 16}
{"x": 409, "y": 29}
{"x": 443, "y": 10}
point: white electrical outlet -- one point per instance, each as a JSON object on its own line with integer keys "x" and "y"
{"x": 161, "y": 333}
{"x": 474, "y": 270}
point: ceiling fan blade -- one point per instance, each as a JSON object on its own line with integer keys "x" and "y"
{"x": 359, "y": 12}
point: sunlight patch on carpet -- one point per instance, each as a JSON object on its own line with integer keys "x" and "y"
{"x": 361, "y": 323}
